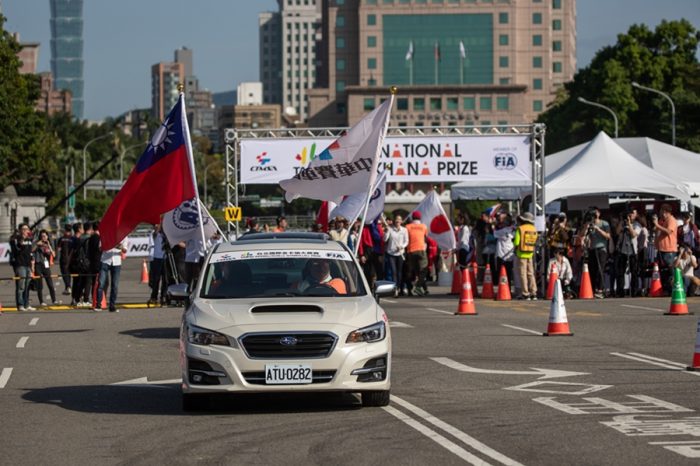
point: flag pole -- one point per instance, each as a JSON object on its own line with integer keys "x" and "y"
{"x": 393, "y": 91}
{"x": 190, "y": 158}
{"x": 461, "y": 69}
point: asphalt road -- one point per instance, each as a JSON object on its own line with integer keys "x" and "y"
{"x": 485, "y": 389}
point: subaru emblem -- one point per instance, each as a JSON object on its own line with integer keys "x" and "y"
{"x": 289, "y": 341}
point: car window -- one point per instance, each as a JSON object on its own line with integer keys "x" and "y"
{"x": 281, "y": 273}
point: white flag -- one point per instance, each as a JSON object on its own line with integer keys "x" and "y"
{"x": 409, "y": 53}
{"x": 434, "y": 217}
{"x": 351, "y": 207}
{"x": 348, "y": 165}
{"x": 462, "y": 50}
{"x": 182, "y": 223}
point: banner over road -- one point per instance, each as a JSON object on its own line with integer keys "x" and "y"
{"x": 413, "y": 159}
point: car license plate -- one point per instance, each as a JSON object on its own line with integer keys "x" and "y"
{"x": 288, "y": 374}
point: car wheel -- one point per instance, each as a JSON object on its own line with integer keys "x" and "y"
{"x": 378, "y": 398}
{"x": 192, "y": 402}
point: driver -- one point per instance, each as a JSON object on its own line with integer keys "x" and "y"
{"x": 319, "y": 274}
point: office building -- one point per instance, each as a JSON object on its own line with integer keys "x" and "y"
{"x": 28, "y": 55}
{"x": 249, "y": 94}
{"x": 52, "y": 101}
{"x": 67, "y": 50}
{"x": 165, "y": 77}
{"x": 455, "y": 62}
{"x": 185, "y": 56}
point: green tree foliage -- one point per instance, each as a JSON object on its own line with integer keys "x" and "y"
{"x": 663, "y": 59}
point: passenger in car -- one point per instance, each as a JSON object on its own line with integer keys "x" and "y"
{"x": 235, "y": 281}
{"x": 319, "y": 274}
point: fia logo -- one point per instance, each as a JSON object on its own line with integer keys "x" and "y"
{"x": 505, "y": 161}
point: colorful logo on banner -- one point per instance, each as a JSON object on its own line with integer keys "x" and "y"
{"x": 308, "y": 154}
{"x": 505, "y": 161}
{"x": 263, "y": 164}
{"x": 262, "y": 160}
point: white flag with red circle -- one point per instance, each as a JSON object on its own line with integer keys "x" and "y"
{"x": 434, "y": 217}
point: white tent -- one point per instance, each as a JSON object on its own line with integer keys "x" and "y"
{"x": 602, "y": 166}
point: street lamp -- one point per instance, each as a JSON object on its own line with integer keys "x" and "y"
{"x": 206, "y": 170}
{"x": 595, "y": 104}
{"x": 85, "y": 159}
{"x": 673, "y": 108}
{"x": 121, "y": 160}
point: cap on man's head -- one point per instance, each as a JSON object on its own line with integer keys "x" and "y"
{"x": 416, "y": 215}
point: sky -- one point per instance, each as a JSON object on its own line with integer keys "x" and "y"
{"x": 123, "y": 38}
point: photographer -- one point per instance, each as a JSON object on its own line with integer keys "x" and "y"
{"x": 666, "y": 242}
{"x": 596, "y": 234}
{"x": 626, "y": 252}
{"x": 687, "y": 262}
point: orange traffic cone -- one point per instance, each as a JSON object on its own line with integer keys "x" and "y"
{"x": 553, "y": 277}
{"x": 472, "y": 277}
{"x": 696, "y": 356}
{"x": 679, "y": 305}
{"x": 144, "y": 272}
{"x": 487, "y": 287}
{"x": 466, "y": 299}
{"x": 585, "y": 290}
{"x": 656, "y": 290}
{"x": 503, "y": 286}
{"x": 558, "y": 323}
{"x": 456, "y": 281}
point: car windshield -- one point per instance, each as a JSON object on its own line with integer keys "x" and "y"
{"x": 281, "y": 273}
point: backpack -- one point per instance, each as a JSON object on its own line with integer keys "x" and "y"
{"x": 82, "y": 258}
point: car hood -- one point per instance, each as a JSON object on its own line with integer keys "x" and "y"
{"x": 223, "y": 314}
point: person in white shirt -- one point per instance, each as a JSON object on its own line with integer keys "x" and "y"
{"x": 395, "y": 242}
{"x": 340, "y": 232}
{"x": 110, "y": 264}
{"x": 195, "y": 250}
{"x": 563, "y": 267}
{"x": 157, "y": 261}
{"x": 687, "y": 262}
{"x": 505, "y": 250}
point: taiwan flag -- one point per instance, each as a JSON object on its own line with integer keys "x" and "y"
{"x": 161, "y": 180}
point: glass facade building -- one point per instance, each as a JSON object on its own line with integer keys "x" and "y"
{"x": 67, "y": 49}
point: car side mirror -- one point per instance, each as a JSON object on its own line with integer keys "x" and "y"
{"x": 383, "y": 289}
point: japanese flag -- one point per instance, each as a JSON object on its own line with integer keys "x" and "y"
{"x": 434, "y": 217}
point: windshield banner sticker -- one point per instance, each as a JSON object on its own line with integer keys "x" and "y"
{"x": 280, "y": 254}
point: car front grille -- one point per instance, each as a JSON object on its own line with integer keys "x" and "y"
{"x": 306, "y": 345}
{"x": 258, "y": 378}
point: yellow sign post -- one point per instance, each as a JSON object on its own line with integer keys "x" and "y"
{"x": 233, "y": 214}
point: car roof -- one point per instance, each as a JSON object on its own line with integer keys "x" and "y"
{"x": 290, "y": 240}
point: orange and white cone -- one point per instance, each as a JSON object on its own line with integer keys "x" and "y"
{"x": 586, "y": 289}
{"x": 456, "y": 281}
{"x": 696, "y": 356}
{"x": 503, "y": 286}
{"x": 466, "y": 299}
{"x": 656, "y": 290}
{"x": 472, "y": 277}
{"x": 553, "y": 277}
{"x": 144, "y": 272}
{"x": 558, "y": 323}
{"x": 487, "y": 287}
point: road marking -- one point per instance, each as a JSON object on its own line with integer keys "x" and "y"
{"x": 597, "y": 406}
{"x": 658, "y": 359}
{"x": 439, "y": 310}
{"x": 143, "y": 381}
{"x": 33, "y": 322}
{"x": 5, "y": 376}
{"x": 463, "y": 437}
{"x": 632, "y": 306}
{"x": 574, "y": 388}
{"x": 656, "y": 362}
{"x": 543, "y": 373}
{"x": 390, "y": 301}
{"x": 435, "y": 437}
{"x": 22, "y": 341}
{"x": 523, "y": 329}
{"x": 397, "y": 324}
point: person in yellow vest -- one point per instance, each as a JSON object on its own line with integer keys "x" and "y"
{"x": 525, "y": 241}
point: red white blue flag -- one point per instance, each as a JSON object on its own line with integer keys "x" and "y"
{"x": 161, "y": 180}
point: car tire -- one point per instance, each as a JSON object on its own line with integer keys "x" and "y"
{"x": 376, "y": 399}
{"x": 192, "y": 402}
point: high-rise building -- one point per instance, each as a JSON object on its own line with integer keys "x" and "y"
{"x": 288, "y": 53}
{"x": 50, "y": 100}
{"x": 165, "y": 77}
{"x": 67, "y": 49}
{"x": 454, "y": 62}
{"x": 28, "y": 54}
{"x": 185, "y": 56}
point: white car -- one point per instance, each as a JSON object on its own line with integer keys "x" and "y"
{"x": 284, "y": 312}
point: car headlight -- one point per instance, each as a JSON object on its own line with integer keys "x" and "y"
{"x": 202, "y": 336}
{"x": 373, "y": 333}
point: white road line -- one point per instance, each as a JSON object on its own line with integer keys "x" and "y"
{"x": 397, "y": 324}
{"x": 523, "y": 329}
{"x": 22, "y": 341}
{"x": 33, "y": 322}
{"x": 390, "y": 301}
{"x": 440, "y": 311}
{"x": 642, "y": 307}
{"x": 5, "y": 376}
{"x": 658, "y": 359}
{"x": 667, "y": 366}
{"x": 435, "y": 437}
{"x": 465, "y": 438}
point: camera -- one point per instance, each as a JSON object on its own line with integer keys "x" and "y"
{"x": 589, "y": 216}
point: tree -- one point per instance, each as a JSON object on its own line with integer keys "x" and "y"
{"x": 663, "y": 59}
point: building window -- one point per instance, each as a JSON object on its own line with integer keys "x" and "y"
{"x": 340, "y": 2}
{"x": 556, "y": 46}
{"x": 556, "y": 4}
{"x": 340, "y": 108}
{"x": 340, "y": 64}
{"x": 485, "y": 103}
{"x": 371, "y": 82}
{"x": 503, "y": 39}
{"x": 556, "y": 25}
{"x": 503, "y": 62}
{"x": 435, "y": 103}
{"x": 537, "y": 18}
{"x": 537, "y": 40}
{"x": 372, "y": 63}
{"x": 418, "y": 104}
{"x": 556, "y": 67}
{"x": 340, "y": 42}
{"x": 503, "y": 81}
{"x": 469, "y": 103}
{"x": 536, "y": 105}
{"x": 502, "y": 18}
{"x": 537, "y": 62}
{"x": 369, "y": 104}
{"x": 371, "y": 20}
{"x": 452, "y": 103}
{"x": 537, "y": 83}
{"x": 339, "y": 21}
{"x": 371, "y": 2}
{"x": 402, "y": 104}
{"x": 340, "y": 86}
{"x": 371, "y": 41}
{"x": 502, "y": 103}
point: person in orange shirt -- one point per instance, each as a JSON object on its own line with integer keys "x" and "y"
{"x": 281, "y": 225}
{"x": 320, "y": 276}
{"x": 417, "y": 257}
{"x": 666, "y": 243}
